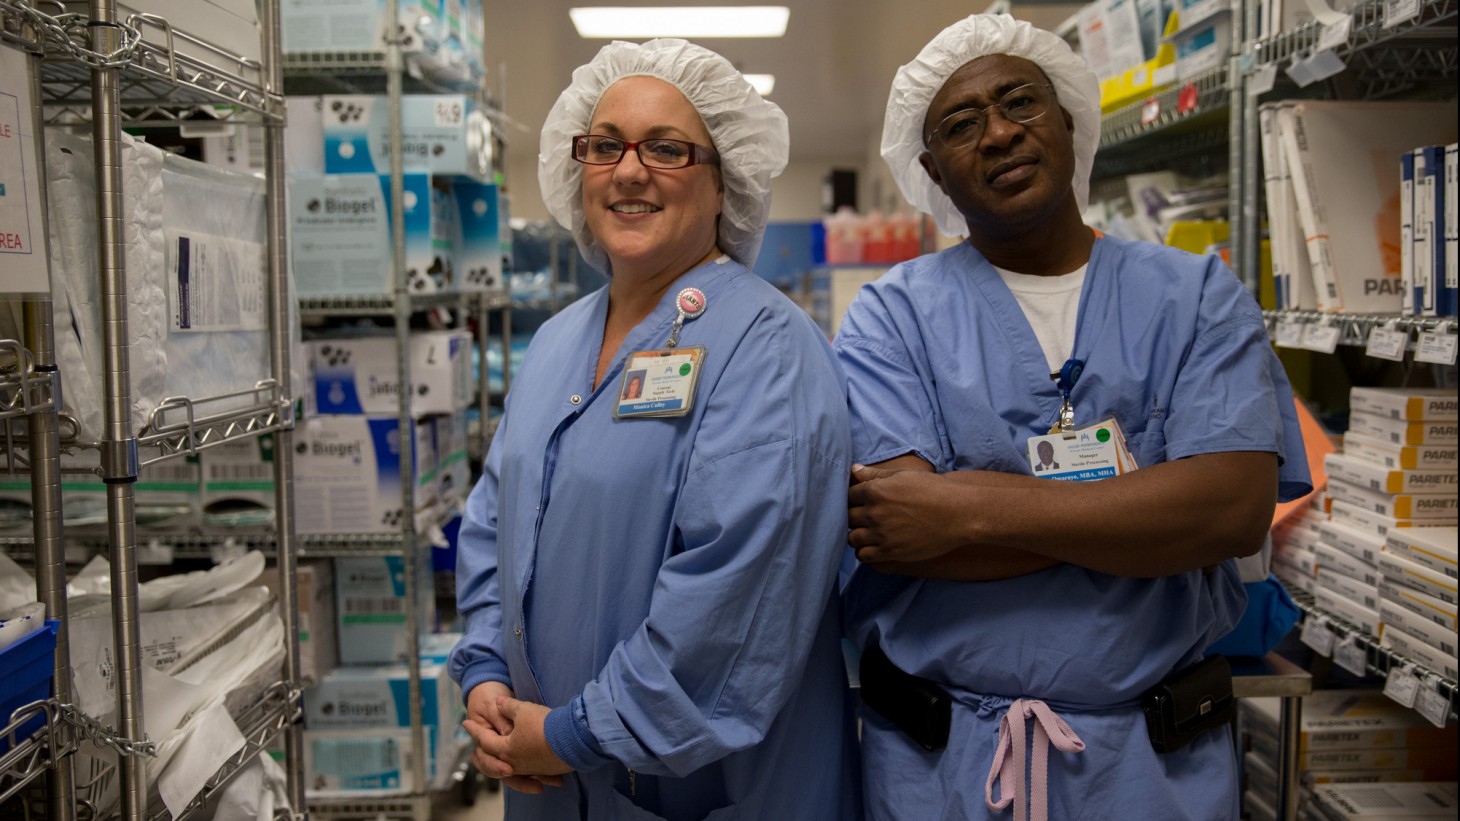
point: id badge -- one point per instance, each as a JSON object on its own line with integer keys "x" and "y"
{"x": 1087, "y": 454}
{"x": 659, "y": 383}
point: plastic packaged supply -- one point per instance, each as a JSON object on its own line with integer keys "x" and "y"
{"x": 877, "y": 246}
{"x": 844, "y": 242}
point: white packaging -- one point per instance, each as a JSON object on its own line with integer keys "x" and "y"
{"x": 453, "y": 472}
{"x": 339, "y": 235}
{"x": 22, "y": 233}
{"x": 1415, "y": 576}
{"x": 1403, "y": 432}
{"x": 1432, "y": 547}
{"x": 304, "y": 138}
{"x": 1395, "y": 617}
{"x": 1365, "y": 520}
{"x": 1342, "y": 193}
{"x": 315, "y": 583}
{"x": 441, "y": 134}
{"x": 346, "y": 763}
{"x": 371, "y": 605}
{"x": 378, "y": 698}
{"x": 360, "y": 375}
{"x": 1360, "y": 472}
{"x": 238, "y": 483}
{"x": 358, "y": 25}
{"x": 1204, "y": 40}
{"x": 1401, "y": 457}
{"x": 1364, "y": 618}
{"x": 1414, "y": 649}
{"x": 1360, "y": 593}
{"x": 1360, "y": 544}
{"x": 480, "y": 249}
{"x": 1352, "y": 802}
{"x": 1110, "y": 36}
{"x": 1429, "y": 607}
{"x": 1331, "y": 558}
{"x": 1413, "y": 404}
{"x": 1427, "y": 506}
{"x": 347, "y": 475}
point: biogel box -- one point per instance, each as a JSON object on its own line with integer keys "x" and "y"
{"x": 347, "y": 475}
{"x": 440, "y": 134}
{"x": 360, "y": 375}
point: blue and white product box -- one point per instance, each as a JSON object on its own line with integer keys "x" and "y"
{"x": 360, "y": 375}
{"x": 479, "y": 253}
{"x": 441, "y": 134}
{"x": 339, "y": 235}
{"x": 370, "y": 606}
{"x": 453, "y": 472}
{"x": 347, "y": 475}
{"x": 343, "y": 763}
{"x": 358, "y": 25}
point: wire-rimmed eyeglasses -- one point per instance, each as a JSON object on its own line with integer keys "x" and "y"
{"x": 1021, "y": 105}
{"x": 597, "y": 149}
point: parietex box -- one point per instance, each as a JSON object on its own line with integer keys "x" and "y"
{"x": 440, "y": 134}
{"x": 371, "y": 606}
{"x": 339, "y": 235}
{"x": 359, "y": 375}
{"x": 347, "y": 476}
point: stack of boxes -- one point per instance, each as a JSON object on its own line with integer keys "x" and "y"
{"x": 1347, "y": 737}
{"x": 339, "y": 196}
{"x": 1295, "y": 547}
{"x": 441, "y": 40}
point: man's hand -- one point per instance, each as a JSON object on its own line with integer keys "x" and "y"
{"x": 484, "y": 719}
{"x": 901, "y": 516}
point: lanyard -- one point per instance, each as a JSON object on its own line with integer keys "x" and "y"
{"x": 1068, "y": 376}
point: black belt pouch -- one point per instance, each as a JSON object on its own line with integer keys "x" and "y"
{"x": 1188, "y": 703}
{"x": 915, "y": 705}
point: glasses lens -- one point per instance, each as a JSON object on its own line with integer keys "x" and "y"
{"x": 596, "y": 150}
{"x": 961, "y": 129}
{"x": 664, "y": 153}
{"x": 1025, "y": 103}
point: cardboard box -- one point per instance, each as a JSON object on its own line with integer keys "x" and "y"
{"x": 1367, "y": 521}
{"x": 356, "y": 25}
{"x": 343, "y": 763}
{"x": 371, "y": 605}
{"x": 1394, "y": 617}
{"x": 1352, "y": 720}
{"x": 1415, "y": 576}
{"x": 238, "y": 483}
{"x": 1427, "y": 506}
{"x": 1402, "y": 457}
{"x": 23, "y": 268}
{"x": 1360, "y": 544}
{"x": 347, "y": 475}
{"x": 1352, "y": 802}
{"x": 1366, "y": 474}
{"x": 441, "y": 134}
{"x": 1360, "y": 593}
{"x": 1404, "y": 432}
{"x": 1416, "y": 649}
{"x": 1428, "y": 607}
{"x": 360, "y": 375}
{"x": 1432, "y": 547}
{"x": 453, "y": 472}
{"x": 1329, "y": 557}
{"x": 1364, "y": 618}
{"x": 339, "y": 236}
{"x": 480, "y": 249}
{"x": 315, "y": 582}
{"x": 1412, "y": 404}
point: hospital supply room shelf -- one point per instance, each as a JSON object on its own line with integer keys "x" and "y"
{"x": 23, "y": 389}
{"x": 29, "y": 752}
{"x": 1170, "y": 110}
{"x": 141, "y": 70}
{"x": 164, "y": 73}
{"x": 1354, "y": 329}
{"x": 385, "y": 304}
{"x": 1388, "y": 56}
{"x": 1378, "y": 661}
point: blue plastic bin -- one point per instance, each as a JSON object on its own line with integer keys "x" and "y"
{"x": 26, "y": 670}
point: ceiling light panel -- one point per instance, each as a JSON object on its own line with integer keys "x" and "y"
{"x": 680, "y": 21}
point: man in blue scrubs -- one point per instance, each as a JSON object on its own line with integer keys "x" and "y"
{"x": 1046, "y": 607}
{"x": 648, "y": 566}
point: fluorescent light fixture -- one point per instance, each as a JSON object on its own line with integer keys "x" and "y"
{"x": 680, "y": 21}
{"x": 764, "y": 84}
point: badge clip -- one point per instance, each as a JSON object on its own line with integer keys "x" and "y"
{"x": 1069, "y": 374}
{"x": 691, "y": 303}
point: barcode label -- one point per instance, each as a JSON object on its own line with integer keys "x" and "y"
{"x": 169, "y": 473}
{"x": 375, "y": 606}
{"x": 240, "y": 473}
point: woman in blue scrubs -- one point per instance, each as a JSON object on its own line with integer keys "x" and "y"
{"x": 648, "y": 570}
{"x": 1045, "y": 605}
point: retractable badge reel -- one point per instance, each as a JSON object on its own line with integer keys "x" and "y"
{"x": 1069, "y": 375}
{"x": 662, "y": 382}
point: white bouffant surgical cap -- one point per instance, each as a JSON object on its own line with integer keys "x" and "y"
{"x": 973, "y": 37}
{"x": 749, "y": 133}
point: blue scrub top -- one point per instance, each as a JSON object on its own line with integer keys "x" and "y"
{"x": 670, "y": 582}
{"x": 942, "y": 363}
